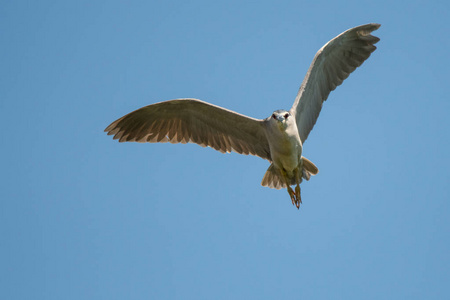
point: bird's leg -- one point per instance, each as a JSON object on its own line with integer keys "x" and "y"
{"x": 292, "y": 195}
{"x": 289, "y": 189}
{"x": 298, "y": 197}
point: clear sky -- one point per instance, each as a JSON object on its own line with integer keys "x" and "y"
{"x": 85, "y": 217}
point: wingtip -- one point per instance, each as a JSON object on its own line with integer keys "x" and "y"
{"x": 370, "y": 27}
{"x": 364, "y": 31}
{"x": 109, "y": 128}
{"x": 373, "y": 26}
{"x": 376, "y": 25}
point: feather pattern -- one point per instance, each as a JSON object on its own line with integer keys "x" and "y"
{"x": 193, "y": 121}
{"x": 331, "y": 65}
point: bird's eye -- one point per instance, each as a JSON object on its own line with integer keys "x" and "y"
{"x": 273, "y": 116}
{"x": 286, "y": 116}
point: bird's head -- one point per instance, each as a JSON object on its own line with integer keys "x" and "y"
{"x": 282, "y": 118}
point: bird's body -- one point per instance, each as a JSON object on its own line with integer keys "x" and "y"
{"x": 285, "y": 145}
{"x": 278, "y": 138}
{"x": 286, "y": 151}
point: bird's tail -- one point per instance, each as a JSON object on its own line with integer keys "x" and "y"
{"x": 309, "y": 168}
{"x": 274, "y": 180}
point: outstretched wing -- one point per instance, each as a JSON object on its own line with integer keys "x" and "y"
{"x": 193, "y": 121}
{"x": 332, "y": 64}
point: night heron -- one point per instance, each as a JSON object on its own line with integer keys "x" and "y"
{"x": 278, "y": 138}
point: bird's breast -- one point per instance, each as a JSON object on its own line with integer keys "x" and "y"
{"x": 286, "y": 150}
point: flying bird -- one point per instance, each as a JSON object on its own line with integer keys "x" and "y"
{"x": 278, "y": 138}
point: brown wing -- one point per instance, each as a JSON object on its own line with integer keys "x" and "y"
{"x": 193, "y": 121}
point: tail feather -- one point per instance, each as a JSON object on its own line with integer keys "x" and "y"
{"x": 309, "y": 169}
{"x": 274, "y": 180}
{"x": 309, "y": 166}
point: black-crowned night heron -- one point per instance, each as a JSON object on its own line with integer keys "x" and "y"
{"x": 279, "y": 138}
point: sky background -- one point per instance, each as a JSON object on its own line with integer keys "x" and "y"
{"x": 85, "y": 217}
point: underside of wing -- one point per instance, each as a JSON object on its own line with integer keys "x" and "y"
{"x": 193, "y": 121}
{"x": 331, "y": 65}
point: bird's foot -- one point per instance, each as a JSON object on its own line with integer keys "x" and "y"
{"x": 298, "y": 197}
{"x": 295, "y": 196}
{"x": 292, "y": 195}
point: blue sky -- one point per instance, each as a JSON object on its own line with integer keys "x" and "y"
{"x": 85, "y": 217}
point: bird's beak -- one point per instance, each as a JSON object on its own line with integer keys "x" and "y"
{"x": 280, "y": 119}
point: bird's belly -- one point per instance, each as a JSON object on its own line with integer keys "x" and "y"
{"x": 287, "y": 162}
{"x": 286, "y": 154}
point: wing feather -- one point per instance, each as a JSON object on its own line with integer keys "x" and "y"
{"x": 331, "y": 65}
{"x": 193, "y": 121}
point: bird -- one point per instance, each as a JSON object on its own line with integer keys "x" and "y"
{"x": 279, "y": 138}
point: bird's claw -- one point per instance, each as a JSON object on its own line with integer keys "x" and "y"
{"x": 295, "y": 197}
{"x": 298, "y": 202}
